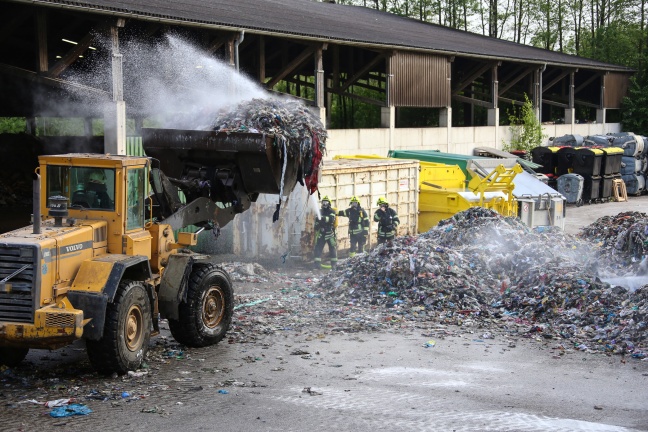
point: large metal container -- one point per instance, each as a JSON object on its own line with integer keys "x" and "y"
{"x": 292, "y": 236}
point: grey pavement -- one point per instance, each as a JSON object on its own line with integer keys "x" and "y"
{"x": 579, "y": 217}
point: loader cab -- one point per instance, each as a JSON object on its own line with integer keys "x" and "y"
{"x": 100, "y": 187}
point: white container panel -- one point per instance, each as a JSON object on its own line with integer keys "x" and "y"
{"x": 292, "y": 235}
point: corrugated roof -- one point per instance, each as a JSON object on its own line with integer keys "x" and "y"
{"x": 329, "y": 22}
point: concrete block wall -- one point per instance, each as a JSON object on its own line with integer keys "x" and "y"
{"x": 462, "y": 141}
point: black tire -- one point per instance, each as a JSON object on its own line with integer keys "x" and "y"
{"x": 127, "y": 331}
{"x": 206, "y": 316}
{"x": 10, "y": 356}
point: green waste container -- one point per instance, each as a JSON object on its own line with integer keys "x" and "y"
{"x": 437, "y": 157}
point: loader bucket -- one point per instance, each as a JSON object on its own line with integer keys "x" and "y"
{"x": 256, "y": 158}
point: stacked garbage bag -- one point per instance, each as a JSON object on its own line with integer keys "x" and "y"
{"x": 479, "y": 265}
{"x": 599, "y": 160}
{"x": 295, "y": 128}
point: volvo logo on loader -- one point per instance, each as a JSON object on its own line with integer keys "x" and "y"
{"x": 73, "y": 248}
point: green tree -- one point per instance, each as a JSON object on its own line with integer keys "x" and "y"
{"x": 526, "y": 130}
{"x": 634, "y": 109}
{"x": 12, "y": 125}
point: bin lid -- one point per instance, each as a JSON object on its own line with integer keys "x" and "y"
{"x": 610, "y": 151}
{"x": 597, "y": 152}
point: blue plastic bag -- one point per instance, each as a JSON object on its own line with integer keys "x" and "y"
{"x": 70, "y": 410}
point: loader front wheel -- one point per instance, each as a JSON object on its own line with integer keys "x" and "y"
{"x": 127, "y": 331}
{"x": 10, "y": 356}
{"x": 207, "y": 314}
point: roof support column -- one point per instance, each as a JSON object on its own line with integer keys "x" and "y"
{"x": 262, "y": 60}
{"x": 445, "y": 113}
{"x": 115, "y": 113}
{"x": 334, "y": 82}
{"x": 388, "y": 112}
{"x": 493, "y": 111}
{"x": 41, "y": 29}
{"x": 319, "y": 84}
{"x": 600, "y": 112}
{"x": 570, "y": 111}
{"x": 537, "y": 93}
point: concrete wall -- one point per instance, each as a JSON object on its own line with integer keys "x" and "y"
{"x": 462, "y": 141}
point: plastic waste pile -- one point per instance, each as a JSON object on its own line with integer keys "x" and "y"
{"x": 297, "y": 131}
{"x": 483, "y": 266}
{"x": 623, "y": 237}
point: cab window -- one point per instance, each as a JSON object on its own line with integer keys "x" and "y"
{"x": 84, "y": 187}
{"x": 135, "y": 193}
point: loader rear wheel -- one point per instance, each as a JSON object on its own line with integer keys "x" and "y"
{"x": 207, "y": 314}
{"x": 10, "y": 356}
{"x": 127, "y": 331}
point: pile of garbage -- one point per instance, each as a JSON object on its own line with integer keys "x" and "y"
{"x": 297, "y": 131}
{"x": 622, "y": 238}
{"x": 483, "y": 266}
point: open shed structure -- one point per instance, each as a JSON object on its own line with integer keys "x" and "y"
{"x": 316, "y": 51}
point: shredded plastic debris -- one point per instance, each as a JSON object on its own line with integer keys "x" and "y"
{"x": 297, "y": 131}
{"x": 481, "y": 266}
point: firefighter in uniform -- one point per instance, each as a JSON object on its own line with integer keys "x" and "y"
{"x": 387, "y": 221}
{"x": 325, "y": 233}
{"x": 358, "y": 226}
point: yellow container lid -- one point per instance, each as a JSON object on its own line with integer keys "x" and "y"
{"x": 596, "y": 151}
{"x": 612, "y": 150}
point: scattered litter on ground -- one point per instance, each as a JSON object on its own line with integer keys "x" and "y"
{"x": 478, "y": 276}
{"x": 476, "y": 270}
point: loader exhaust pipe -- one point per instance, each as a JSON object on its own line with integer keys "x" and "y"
{"x": 36, "y": 209}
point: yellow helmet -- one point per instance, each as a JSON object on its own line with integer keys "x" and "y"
{"x": 326, "y": 198}
{"x": 355, "y": 200}
{"x": 382, "y": 201}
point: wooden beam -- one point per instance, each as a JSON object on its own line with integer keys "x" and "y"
{"x": 556, "y": 80}
{"x": 75, "y": 52}
{"x": 364, "y": 70}
{"x": 472, "y": 101}
{"x": 301, "y": 82}
{"x": 290, "y": 67}
{"x": 555, "y": 103}
{"x": 587, "y": 104}
{"x": 587, "y": 82}
{"x": 218, "y": 43}
{"x": 479, "y": 71}
{"x": 511, "y": 101}
{"x": 54, "y": 82}
{"x": 517, "y": 79}
{"x": 41, "y": 36}
{"x": 356, "y": 97}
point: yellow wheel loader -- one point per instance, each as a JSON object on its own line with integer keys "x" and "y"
{"x": 101, "y": 261}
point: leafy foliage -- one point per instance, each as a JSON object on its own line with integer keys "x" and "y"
{"x": 635, "y": 106}
{"x": 526, "y": 130}
{"x": 12, "y": 125}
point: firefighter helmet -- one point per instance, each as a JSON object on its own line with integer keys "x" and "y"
{"x": 382, "y": 201}
{"x": 326, "y": 198}
{"x": 355, "y": 200}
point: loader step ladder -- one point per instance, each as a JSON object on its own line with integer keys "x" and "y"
{"x": 620, "y": 191}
